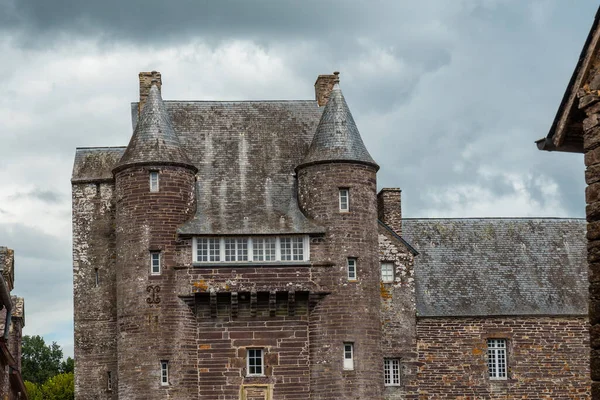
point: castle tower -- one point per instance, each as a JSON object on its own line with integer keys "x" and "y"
{"x": 337, "y": 188}
{"x": 154, "y": 183}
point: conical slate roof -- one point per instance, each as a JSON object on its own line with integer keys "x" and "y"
{"x": 337, "y": 137}
{"x": 154, "y": 140}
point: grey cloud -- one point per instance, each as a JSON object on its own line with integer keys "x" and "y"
{"x": 46, "y": 196}
{"x": 33, "y": 243}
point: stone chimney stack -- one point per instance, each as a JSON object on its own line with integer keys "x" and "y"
{"x": 146, "y": 79}
{"x": 324, "y": 86}
{"x": 389, "y": 208}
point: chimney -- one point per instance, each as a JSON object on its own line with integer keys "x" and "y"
{"x": 324, "y": 86}
{"x": 146, "y": 80}
{"x": 389, "y": 208}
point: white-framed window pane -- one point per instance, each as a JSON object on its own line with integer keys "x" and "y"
{"x": 155, "y": 262}
{"x": 352, "y": 269}
{"x": 164, "y": 373}
{"x": 348, "y": 356}
{"x": 497, "y": 358}
{"x": 387, "y": 272}
{"x": 255, "y": 362}
{"x": 236, "y": 249}
{"x": 391, "y": 371}
{"x": 298, "y": 248}
{"x": 154, "y": 181}
{"x": 208, "y": 249}
{"x": 344, "y": 199}
{"x": 286, "y": 249}
{"x": 264, "y": 249}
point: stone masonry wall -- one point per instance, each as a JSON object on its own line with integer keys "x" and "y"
{"x": 589, "y": 102}
{"x": 94, "y": 302}
{"x": 547, "y": 358}
{"x": 351, "y": 312}
{"x": 398, "y": 309}
{"x": 154, "y": 324}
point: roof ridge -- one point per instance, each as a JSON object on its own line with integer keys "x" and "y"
{"x": 493, "y": 218}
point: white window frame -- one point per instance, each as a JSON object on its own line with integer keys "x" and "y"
{"x": 391, "y": 372}
{"x": 260, "y": 357}
{"x": 348, "y": 356}
{"x": 299, "y": 247}
{"x": 164, "y": 373}
{"x": 344, "y": 199}
{"x": 154, "y": 181}
{"x": 109, "y": 381}
{"x": 497, "y": 358}
{"x": 155, "y": 256}
{"x": 351, "y": 269}
{"x": 388, "y": 272}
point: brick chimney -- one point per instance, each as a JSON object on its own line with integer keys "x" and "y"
{"x": 389, "y": 208}
{"x": 324, "y": 86}
{"x": 146, "y": 79}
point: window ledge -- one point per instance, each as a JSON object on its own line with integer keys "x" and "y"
{"x": 252, "y": 264}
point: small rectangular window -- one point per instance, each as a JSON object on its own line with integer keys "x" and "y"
{"x": 208, "y": 249}
{"x": 164, "y": 373}
{"x": 96, "y": 277}
{"x": 496, "y": 358}
{"x": 387, "y": 272}
{"x": 352, "y": 269}
{"x": 391, "y": 371}
{"x": 344, "y": 199}
{"x": 109, "y": 381}
{"x": 255, "y": 360}
{"x": 264, "y": 249}
{"x": 348, "y": 356}
{"x": 154, "y": 181}
{"x": 155, "y": 262}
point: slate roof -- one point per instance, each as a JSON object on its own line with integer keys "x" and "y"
{"x": 337, "y": 137}
{"x": 154, "y": 140}
{"x": 245, "y": 152}
{"x": 496, "y": 266}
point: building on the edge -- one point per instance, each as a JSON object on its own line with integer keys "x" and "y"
{"x": 576, "y": 129}
{"x": 240, "y": 250}
{"x": 12, "y": 321}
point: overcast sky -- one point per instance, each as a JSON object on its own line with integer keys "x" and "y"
{"x": 449, "y": 97}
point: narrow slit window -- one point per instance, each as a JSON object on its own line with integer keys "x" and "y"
{"x": 96, "y": 277}
{"x": 154, "y": 181}
{"x": 164, "y": 373}
{"x": 345, "y": 199}
{"x": 496, "y": 358}
{"x": 155, "y": 262}
{"x": 255, "y": 360}
{"x": 352, "y": 269}
{"x": 391, "y": 371}
{"x": 387, "y": 272}
{"x": 348, "y": 356}
{"x": 109, "y": 381}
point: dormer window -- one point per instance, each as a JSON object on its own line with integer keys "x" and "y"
{"x": 154, "y": 181}
{"x": 251, "y": 249}
{"x": 344, "y": 200}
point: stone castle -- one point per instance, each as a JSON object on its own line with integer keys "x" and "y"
{"x": 240, "y": 250}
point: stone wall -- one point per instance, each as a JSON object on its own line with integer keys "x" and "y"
{"x": 398, "y": 312}
{"x": 94, "y": 299}
{"x": 547, "y": 358}
{"x": 351, "y": 312}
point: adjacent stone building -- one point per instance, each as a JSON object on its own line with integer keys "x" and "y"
{"x": 240, "y": 250}
{"x": 12, "y": 321}
{"x": 576, "y": 128}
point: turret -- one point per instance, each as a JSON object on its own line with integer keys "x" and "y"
{"x": 337, "y": 183}
{"x": 155, "y": 194}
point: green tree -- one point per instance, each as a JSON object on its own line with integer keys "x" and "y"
{"x": 40, "y": 362}
{"x": 34, "y": 392}
{"x": 59, "y": 387}
{"x": 67, "y": 366}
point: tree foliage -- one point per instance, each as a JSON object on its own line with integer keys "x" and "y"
{"x": 40, "y": 362}
{"x": 59, "y": 387}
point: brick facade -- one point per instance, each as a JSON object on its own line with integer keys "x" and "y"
{"x": 547, "y": 358}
